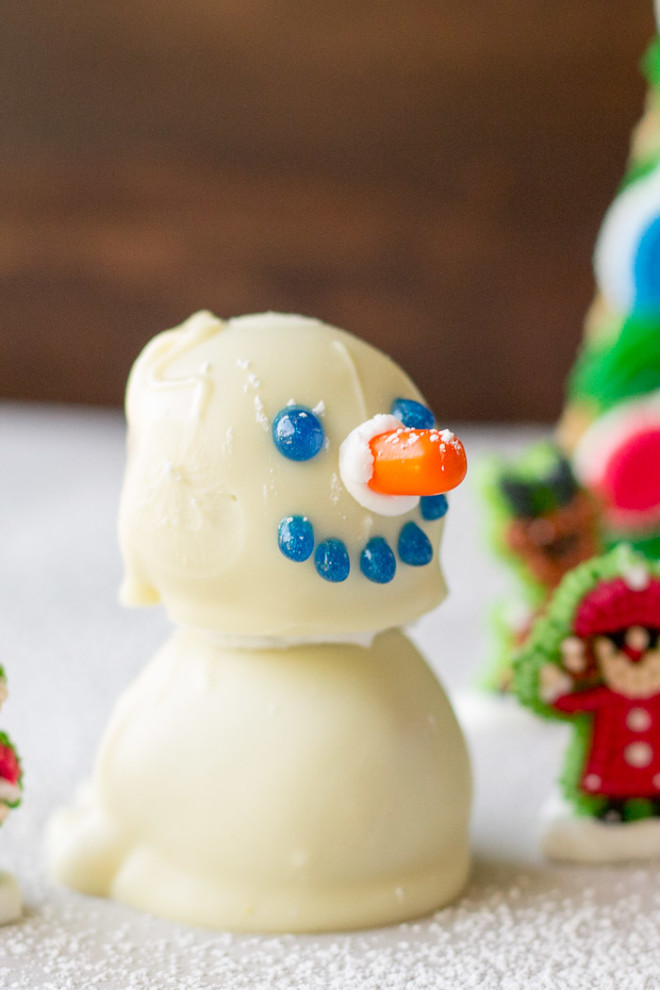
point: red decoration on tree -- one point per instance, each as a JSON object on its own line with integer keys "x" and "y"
{"x": 10, "y": 768}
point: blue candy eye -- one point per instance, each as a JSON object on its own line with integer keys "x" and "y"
{"x": 332, "y": 561}
{"x": 414, "y": 546}
{"x": 296, "y": 537}
{"x": 433, "y": 506}
{"x": 297, "y": 433}
{"x": 412, "y": 414}
{"x": 377, "y": 561}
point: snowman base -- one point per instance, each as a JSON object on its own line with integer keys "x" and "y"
{"x": 575, "y": 838}
{"x": 327, "y": 787}
{"x": 11, "y": 906}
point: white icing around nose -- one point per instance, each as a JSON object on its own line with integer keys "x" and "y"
{"x": 356, "y": 462}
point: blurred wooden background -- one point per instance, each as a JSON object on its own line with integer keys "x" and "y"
{"x": 430, "y": 174}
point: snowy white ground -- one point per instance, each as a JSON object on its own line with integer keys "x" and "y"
{"x": 69, "y": 649}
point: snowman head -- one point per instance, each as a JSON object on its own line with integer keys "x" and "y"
{"x": 256, "y": 500}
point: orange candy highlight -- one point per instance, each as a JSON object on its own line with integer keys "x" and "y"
{"x": 417, "y": 462}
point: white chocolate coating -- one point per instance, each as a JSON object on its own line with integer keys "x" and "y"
{"x": 277, "y": 766}
{"x": 206, "y": 487}
{"x": 315, "y": 788}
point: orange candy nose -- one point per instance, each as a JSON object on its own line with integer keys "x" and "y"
{"x": 416, "y": 462}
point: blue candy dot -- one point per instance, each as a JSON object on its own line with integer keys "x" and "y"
{"x": 412, "y": 414}
{"x": 377, "y": 561}
{"x": 297, "y": 433}
{"x": 414, "y": 546}
{"x": 433, "y": 506}
{"x": 646, "y": 270}
{"x": 296, "y": 537}
{"x": 331, "y": 560}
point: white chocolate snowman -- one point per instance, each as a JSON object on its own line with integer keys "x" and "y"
{"x": 287, "y": 761}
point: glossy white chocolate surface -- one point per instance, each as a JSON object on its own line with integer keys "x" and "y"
{"x": 322, "y": 787}
{"x": 206, "y": 487}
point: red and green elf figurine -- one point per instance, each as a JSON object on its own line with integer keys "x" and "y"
{"x": 594, "y": 659}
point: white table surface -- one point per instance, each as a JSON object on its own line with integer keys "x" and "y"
{"x": 69, "y": 649}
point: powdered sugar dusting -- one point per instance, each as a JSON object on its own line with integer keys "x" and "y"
{"x": 513, "y": 930}
{"x": 228, "y": 443}
{"x": 260, "y": 414}
{"x": 252, "y": 383}
{"x": 336, "y": 488}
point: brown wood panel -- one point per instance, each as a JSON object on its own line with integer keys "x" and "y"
{"x": 427, "y": 173}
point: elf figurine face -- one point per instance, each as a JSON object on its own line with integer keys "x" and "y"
{"x": 629, "y": 660}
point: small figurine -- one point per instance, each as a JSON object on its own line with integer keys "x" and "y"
{"x": 543, "y": 525}
{"x": 594, "y": 659}
{"x": 287, "y": 761}
{"x": 11, "y": 787}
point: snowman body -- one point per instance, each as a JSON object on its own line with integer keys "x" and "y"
{"x": 287, "y": 761}
{"x": 318, "y": 787}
